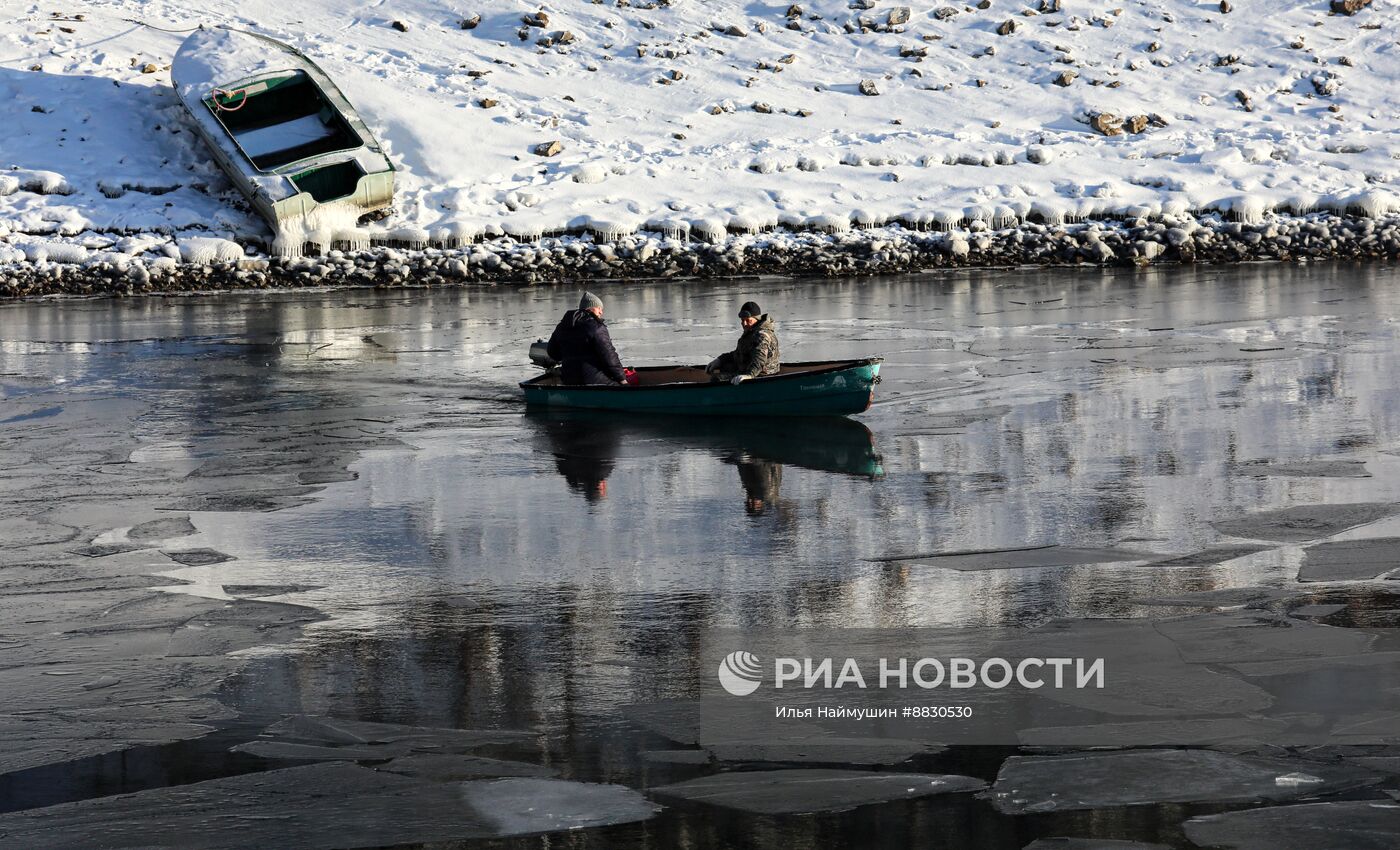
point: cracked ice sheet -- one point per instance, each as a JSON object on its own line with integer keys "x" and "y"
{"x": 1230, "y": 597}
{"x": 1209, "y": 678}
{"x": 815, "y": 749}
{"x": 261, "y": 501}
{"x": 1031, "y": 784}
{"x": 1148, "y": 733}
{"x": 310, "y": 738}
{"x": 198, "y": 557}
{"x": 1350, "y": 560}
{"x": 163, "y": 529}
{"x": 1351, "y": 825}
{"x": 779, "y": 792}
{"x": 1305, "y": 522}
{"x": 1211, "y": 557}
{"x": 1090, "y": 844}
{"x": 98, "y": 672}
{"x": 334, "y": 731}
{"x": 1150, "y": 676}
{"x": 448, "y": 767}
{"x": 91, "y": 629}
{"x": 28, "y": 741}
{"x": 324, "y": 806}
{"x": 1353, "y": 696}
{"x": 1016, "y": 559}
{"x": 1254, "y": 636}
{"x": 1307, "y": 469}
{"x": 130, "y": 682}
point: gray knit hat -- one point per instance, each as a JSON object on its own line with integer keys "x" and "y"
{"x": 589, "y": 300}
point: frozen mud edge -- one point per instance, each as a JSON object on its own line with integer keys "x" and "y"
{"x": 888, "y": 249}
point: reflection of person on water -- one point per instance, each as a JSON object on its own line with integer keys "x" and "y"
{"x": 583, "y": 347}
{"x": 584, "y": 454}
{"x": 586, "y": 475}
{"x": 762, "y": 479}
{"x": 756, "y": 353}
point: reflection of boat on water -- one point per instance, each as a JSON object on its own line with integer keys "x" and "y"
{"x": 587, "y": 443}
{"x": 828, "y": 388}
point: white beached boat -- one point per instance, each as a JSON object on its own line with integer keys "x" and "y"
{"x": 285, "y": 135}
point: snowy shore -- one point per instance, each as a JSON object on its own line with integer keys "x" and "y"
{"x": 826, "y": 137}
{"x": 888, "y": 250}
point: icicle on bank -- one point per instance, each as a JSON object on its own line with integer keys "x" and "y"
{"x": 330, "y": 224}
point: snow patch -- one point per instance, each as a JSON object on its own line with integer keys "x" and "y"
{"x": 531, "y": 229}
{"x": 830, "y": 223}
{"x": 1245, "y": 209}
{"x": 610, "y": 229}
{"x": 459, "y": 232}
{"x": 669, "y": 228}
{"x": 42, "y": 182}
{"x": 55, "y": 252}
{"x": 589, "y": 173}
{"x": 710, "y": 230}
{"x": 1372, "y": 204}
{"x": 413, "y": 238}
{"x": 162, "y": 266}
{"x": 203, "y": 250}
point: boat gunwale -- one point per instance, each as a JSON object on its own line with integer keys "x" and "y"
{"x": 325, "y": 86}
{"x": 297, "y": 165}
{"x": 841, "y": 366}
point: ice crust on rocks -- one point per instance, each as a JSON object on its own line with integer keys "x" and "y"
{"x": 679, "y": 245}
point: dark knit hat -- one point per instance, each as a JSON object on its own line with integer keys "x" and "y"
{"x": 750, "y": 310}
{"x": 589, "y": 300}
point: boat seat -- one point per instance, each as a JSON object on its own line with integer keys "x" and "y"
{"x": 267, "y": 142}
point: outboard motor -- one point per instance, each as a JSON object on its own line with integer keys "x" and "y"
{"x": 539, "y": 355}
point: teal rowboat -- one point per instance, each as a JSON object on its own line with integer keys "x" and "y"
{"x": 830, "y": 388}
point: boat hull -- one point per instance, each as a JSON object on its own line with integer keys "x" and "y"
{"x": 833, "y": 390}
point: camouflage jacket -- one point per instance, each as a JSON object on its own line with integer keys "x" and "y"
{"x": 757, "y": 351}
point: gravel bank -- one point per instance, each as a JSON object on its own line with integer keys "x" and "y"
{"x": 884, "y": 250}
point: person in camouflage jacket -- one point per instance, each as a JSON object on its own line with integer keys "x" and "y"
{"x": 756, "y": 354}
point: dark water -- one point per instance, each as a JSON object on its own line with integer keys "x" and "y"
{"x": 485, "y": 566}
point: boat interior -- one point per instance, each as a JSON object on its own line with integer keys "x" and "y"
{"x": 281, "y": 121}
{"x": 652, "y": 376}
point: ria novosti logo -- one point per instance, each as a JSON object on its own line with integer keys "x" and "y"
{"x": 740, "y": 673}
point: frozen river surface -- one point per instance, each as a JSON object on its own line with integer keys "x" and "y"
{"x": 223, "y": 511}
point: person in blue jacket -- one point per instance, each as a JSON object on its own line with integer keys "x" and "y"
{"x": 583, "y": 348}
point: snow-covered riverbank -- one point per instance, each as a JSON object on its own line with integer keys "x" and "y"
{"x": 710, "y": 126}
{"x": 888, "y": 250}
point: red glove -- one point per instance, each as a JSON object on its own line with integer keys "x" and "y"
{"x": 630, "y": 377}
